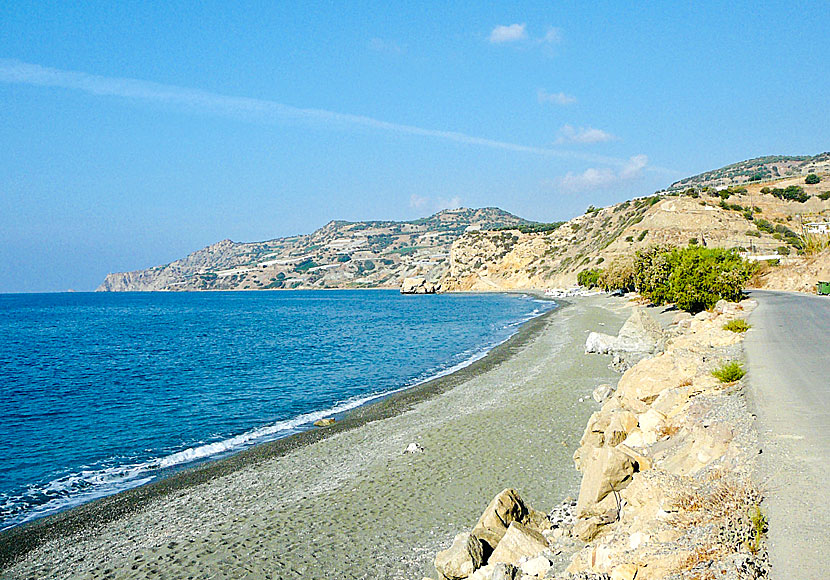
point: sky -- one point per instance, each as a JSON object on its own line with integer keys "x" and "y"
{"x": 134, "y": 133}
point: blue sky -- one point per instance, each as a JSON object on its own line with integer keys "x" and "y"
{"x": 134, "y": 133}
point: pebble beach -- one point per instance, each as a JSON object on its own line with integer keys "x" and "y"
{"x": 346, "y": 501}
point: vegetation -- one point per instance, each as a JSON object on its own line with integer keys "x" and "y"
{"x": 824, "y": 196}
{"x": 532, "y": 227}
{"x": 619, "y": 275}
{"x": 791, "y": 193}
{"x": 738, "y": 325}
{"x": 812, "y": 179}
{"x": 729, "y": 372}
{"x": 589, "y": 278}
{"x": 812, "y": 244}
{"x": 305, "y": 265}
{"x": 694, "y": 278}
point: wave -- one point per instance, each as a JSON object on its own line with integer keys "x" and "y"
{"x": 89, "y": 484}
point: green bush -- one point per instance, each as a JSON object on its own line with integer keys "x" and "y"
{"x": 589, "y": 278}
{"x": 812, "y": 179}
{"x": 694, "y": 278}
{"x": 729, "y": 373}
{"x": 824, "y": 196}
{"x": 737, "y": 325}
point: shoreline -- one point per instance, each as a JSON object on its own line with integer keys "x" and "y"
{"x": 18, "y": 541}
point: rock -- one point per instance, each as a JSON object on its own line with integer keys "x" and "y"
{"x": 413, "y": 448}
{"x": 602, "y": 393}
{"x": 641, "y": 384}
{"x": 507, "y": 507}
{"x": 651, "y": 423}
{"x": 496, "y": 571}
{"x": 639, "y": 337}
{"x": 518, "y": 542}
{"x": 586, "y": 529}
{"x": 624, "y": 572}
{"x": 620, "y": 425}
{"x": 606, "y": 470}
{"x": 463, "y": 558}
{"x": 536, "y": 566}
{"x": 419, "y": 286}
{"x": 324, "y": 422}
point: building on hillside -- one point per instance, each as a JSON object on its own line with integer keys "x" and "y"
{"x": 817, "y": 227}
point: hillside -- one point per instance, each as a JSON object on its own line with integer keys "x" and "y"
{"x": 760, "y": 218}
{"x": 760, "y": 169}
{"x": 339, "y": 255}
{"x": 760, "y": 210}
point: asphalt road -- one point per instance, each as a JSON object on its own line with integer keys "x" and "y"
{"x": 788, "y": 353}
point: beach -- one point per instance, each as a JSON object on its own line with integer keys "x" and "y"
{"x": 346, "y": 501}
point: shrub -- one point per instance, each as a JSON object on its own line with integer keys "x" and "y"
{"x": 652, "y": 271}
{"x": 694, "y": 278}
{"x": 783, "y": 250}
{"x": 642, "y": 235}
{"x": 589, "y": 278}
{"x": 629, "y": 238}
{"x": 692, "y": 241}
{"x": 619, "y": 275}
{"x": 737, "y": 325}
{"x": 824, "y": 196}
{"x": 729, "y": 372}
{"x": 812, "y": 179}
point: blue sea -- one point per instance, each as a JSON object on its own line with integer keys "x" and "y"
{"x": 103, "y": 392}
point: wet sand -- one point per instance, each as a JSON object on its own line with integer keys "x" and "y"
{"x": 346, "y": 502}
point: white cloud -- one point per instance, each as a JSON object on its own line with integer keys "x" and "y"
{"x": 604, "y": 177}
{"x": 387, "y": 46}
{"x": 433, "y": 205}
{"x": 417, "y": 201}
{"x": 555, "y": 98}
{"x": 570, "y": 134}
{"x": 512, "y": 33}
{"x": 552, "y": 36}
{"x": 258, "y": 110}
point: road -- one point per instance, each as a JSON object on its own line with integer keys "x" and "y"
{"x": 788, "y": 354}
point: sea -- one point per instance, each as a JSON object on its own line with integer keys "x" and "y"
{"x": 102, "y": 392}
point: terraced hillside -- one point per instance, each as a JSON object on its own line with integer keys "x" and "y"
{"x": 339, "y": 255}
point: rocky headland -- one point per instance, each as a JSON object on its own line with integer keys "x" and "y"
{"x": 667, "y": 462}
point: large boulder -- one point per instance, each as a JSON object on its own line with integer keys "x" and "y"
{"x": 642, "y": 384}
{"x": 419, "y": 286}
{"x": 518, "y": 542}
{"x": 507, "y": 507}
{"x": 639, "y": 337}
{"x": 606, "y": 470}
{"x": 461, "y": 559}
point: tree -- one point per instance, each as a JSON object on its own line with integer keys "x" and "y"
{"x": 812, "y": 179}
{"x": 694, "y": 278}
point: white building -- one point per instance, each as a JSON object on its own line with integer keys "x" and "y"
{"x": 818, "y": 228}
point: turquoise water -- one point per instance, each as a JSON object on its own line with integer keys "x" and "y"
{"x": 103, "y": 392}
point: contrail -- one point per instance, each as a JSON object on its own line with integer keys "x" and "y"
{"x": 17, "y": 72}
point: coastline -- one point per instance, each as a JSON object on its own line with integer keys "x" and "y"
{"x": 20, "y": 544}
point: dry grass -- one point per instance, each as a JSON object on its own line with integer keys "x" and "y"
{"x": 730, "y": 508}
{"x": 668, "y": 430}
{"x": 685, "y": 383}
{"x": 815, "y": 243}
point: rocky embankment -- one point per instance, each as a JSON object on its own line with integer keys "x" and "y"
{"x": 667, "y": 461}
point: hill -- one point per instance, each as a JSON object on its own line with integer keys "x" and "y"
{"x": 339, "y": 255}
{"x": 764, "y": 218}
